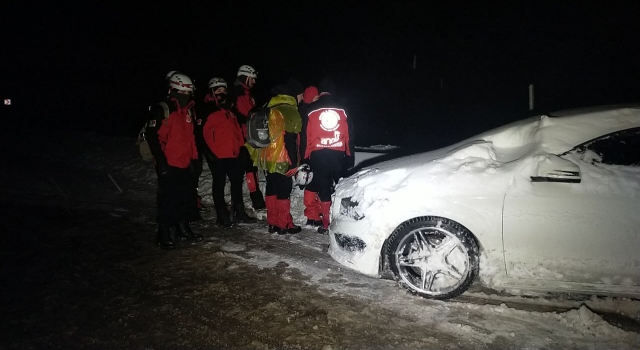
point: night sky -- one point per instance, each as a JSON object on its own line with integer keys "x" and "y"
{"x": 98, "y": 67}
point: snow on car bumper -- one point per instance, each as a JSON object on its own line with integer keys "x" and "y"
{"x": 353, "y": 246}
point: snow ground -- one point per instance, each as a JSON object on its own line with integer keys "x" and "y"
{"x": 479, "y": 323}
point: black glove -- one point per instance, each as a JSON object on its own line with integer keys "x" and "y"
{"x": 306, "y": 161}
{"x": 163, "y": 168}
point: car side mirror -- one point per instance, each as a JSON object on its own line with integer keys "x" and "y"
{"x": 556, "y": 169}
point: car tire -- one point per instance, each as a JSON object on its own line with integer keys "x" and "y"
{"x": 433, "y": 257}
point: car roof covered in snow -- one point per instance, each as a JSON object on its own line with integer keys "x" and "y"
{"x": 561, "y": 131}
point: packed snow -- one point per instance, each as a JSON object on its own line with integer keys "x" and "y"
{"x": 484, "y": 324}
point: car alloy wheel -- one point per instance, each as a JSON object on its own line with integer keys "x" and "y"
{"x": 433, "y": 257}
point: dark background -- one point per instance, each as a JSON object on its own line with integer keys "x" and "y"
{"x": 97, "y": 67}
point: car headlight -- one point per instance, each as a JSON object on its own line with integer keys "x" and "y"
{"x": 350, "y": 209}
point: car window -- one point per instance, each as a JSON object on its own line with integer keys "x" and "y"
{"x": 621, "y": 148}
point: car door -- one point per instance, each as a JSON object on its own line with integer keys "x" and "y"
{"x": 586, "y": 232}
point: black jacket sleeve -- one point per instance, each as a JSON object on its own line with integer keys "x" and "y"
{"x": 291, "y": 145}
{"x": 241, "y": 118}
{"x": 154, "y": 122}
{"x": 350, "y": 160}
{"x": 303, "y": 133}
{"x": 352, "y": 137}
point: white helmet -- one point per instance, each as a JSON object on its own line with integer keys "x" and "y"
{"x": 303, "y": 175}
{"x": 247, "y": 71}
{"x": 217, "y": 82}
{"x": 170, "y": 74}
{"x": 181, "y": 82}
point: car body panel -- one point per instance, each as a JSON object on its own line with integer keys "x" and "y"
{"x": 575, "y": 232}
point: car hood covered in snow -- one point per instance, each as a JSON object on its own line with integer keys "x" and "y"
{"x": 484, "y": 165}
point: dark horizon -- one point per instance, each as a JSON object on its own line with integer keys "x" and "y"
{"x": 98, "y": 67}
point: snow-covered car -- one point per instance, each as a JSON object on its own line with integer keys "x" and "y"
{"x": 550, "y": 204}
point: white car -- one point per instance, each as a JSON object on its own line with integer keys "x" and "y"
{"x": 549, "y": 203}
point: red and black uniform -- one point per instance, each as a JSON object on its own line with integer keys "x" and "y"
{"x": 326, "y": 143}
{"x": 243, "y": 103}
{"x": 173, "y": 146}
{"x": 223, "y": 138}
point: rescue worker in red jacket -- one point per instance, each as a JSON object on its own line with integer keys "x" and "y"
{"x": 224, "y": 139}
{"x": 243, "y": 103}
{"x": 172, "y": 144}
{"x": 196, "y": 165}
{"x": 280, "y": 158}
{"x": 326, "y": 143}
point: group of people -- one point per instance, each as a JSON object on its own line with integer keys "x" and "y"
{"x": 307, "y": 128}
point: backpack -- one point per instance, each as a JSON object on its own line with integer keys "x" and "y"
{"x": 258, "y": 127}
{"x": 143, "y": 145}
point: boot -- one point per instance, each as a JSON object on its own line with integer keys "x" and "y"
{"x": 257, "y": 201}
{"x": 223, "y": 218}
{"x": 201, "y": 207}
{"x": 322, "y": 230}
{"x": 185, "y": 231}
{"x": 279, "y": 230}
{"x": 314, "y": 223}
{"x": 293, "y": 229}
{"x": 240, "y": 216}
{"x": 164, "y": 236}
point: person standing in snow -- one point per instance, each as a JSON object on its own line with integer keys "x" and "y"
{"x": 280, "y": 157}
{"x": 243, "y": 103}
{"x": 173, "y": 147}
{"x": 326, "y": 144}
{"x": 224, "y": 139}
{"x": 197, "y": 165}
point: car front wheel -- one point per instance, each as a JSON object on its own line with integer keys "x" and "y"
{"x": 433, "y": 257}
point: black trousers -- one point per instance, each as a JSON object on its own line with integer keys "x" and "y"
{"x": 279, "y": 185}
{"x": 246, "y": 161}
{"x": 197, "y": 170}
{"x": 327, "y": 166}
{"x": 220, "y": 170}
{"x": 176, "y": 197}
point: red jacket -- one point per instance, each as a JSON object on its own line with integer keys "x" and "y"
{"x": 176, "y": 137}
{"x": 244, "y": 103}
{"x": 327, "y": 128}
{"x": 222, "y": 132}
